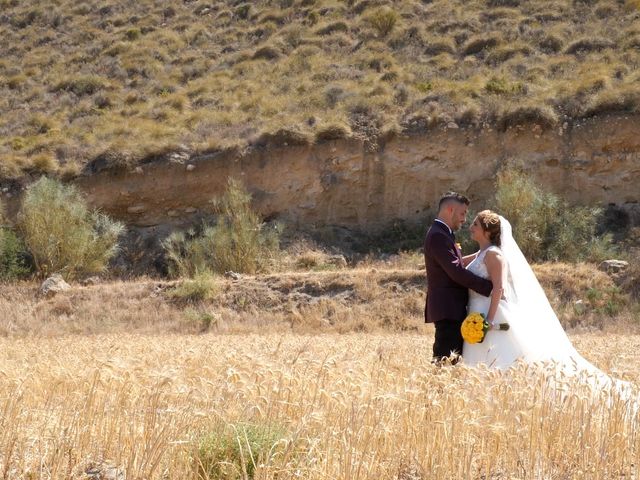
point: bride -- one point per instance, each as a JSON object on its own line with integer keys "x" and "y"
{"x": 535, "y": 334}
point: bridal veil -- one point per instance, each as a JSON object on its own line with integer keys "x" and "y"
{"x": 533, "y": 320}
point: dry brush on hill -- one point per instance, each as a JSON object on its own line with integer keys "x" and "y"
{"x": 125, "y": 82}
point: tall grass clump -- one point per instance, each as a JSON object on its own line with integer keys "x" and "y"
{"x": 239, "y": 241}
{"x": 545, "y": 226}
{"x": 234, "y": 452}
{"x": 383, "y": 20}
{"x": 62, "y": 234}
{"x": 202, "y": 286}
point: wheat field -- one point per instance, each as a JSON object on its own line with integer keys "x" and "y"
{"x": 351, "y": 406}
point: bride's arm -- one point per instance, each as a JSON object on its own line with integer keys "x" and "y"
{"x": 467, "y": 259}
{"x": 495, "y": 264}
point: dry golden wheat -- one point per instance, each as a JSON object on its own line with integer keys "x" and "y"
{"x": 354, "y": 406}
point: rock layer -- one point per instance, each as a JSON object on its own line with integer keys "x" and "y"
{"x": 341, "y": 183}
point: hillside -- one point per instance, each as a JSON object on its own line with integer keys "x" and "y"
{"x": 123, "y": 82}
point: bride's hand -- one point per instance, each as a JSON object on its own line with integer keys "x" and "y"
{"x": 498, "y": 326}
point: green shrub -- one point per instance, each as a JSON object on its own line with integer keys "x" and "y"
{"x": 82, "y": 85}
{"x": 133, "y": 34}
{"x": 383, "y": 20}
{"x": 572, "y": 236}
{"x": 527, "y": 208}
{"x": 13, "y": 255}
{"x": 13, "y": 263}
{"x": 609, "y": 301}
{"x": 238, "y": 242}
{"x": 197, "y": 289}
{"x": 500, "y": 86}
{"x": 188, "y": 253}
{"x": 234, "y": 452}
{"x": 547, "y": 227}
{"x": 242, "y": 11}
{"x": 199, "y": 321}
{"x": 62, "y": 234}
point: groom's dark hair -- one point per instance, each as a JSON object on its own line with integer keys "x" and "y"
{"x": 452, "y": 197}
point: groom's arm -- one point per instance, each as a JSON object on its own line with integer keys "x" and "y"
{"x": 444, "y": 252}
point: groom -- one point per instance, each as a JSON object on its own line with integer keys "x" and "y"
{"x": 447, "y": 279}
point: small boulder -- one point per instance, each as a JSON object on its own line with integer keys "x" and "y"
{"x": 337, "y": 261}
{"x": 136, "y": 209}
{"x": 95, "y": 280}
{"x": 613, "y": 266}
{"x": 52, "y": 285}
{"x": 233, "y": 275}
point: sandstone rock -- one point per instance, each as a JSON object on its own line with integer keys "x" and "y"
{"x": 136, "y": 209}
{"x": 613, "y": 266}
{"x": 233, "y": 275}
{"x": 407, "y": 184}
{"x": 179, "y": 157}
{"x": 52, "y": 285}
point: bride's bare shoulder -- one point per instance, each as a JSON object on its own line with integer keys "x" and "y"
{"x": 493, "y": 254}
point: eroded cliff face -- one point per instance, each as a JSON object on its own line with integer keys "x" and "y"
{"x": 339, "y": 183}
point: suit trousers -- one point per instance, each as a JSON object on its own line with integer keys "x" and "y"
{"x": 448, "y": 339}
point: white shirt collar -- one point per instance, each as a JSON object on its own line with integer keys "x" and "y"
{"x": 448, "y": 228}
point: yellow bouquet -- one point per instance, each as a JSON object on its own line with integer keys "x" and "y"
{"x": 474, "y": 328}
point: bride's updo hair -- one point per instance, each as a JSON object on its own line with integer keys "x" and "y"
{"x": 490, "y": 222}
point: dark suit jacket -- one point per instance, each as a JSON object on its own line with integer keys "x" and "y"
{"x": 447, "y": 279}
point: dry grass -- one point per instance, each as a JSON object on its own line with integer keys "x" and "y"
{"x": 141, "y": 78}
{"x": 376, "y": 296}
{"x": 118, "y": 380}
{"x": 349, "y": 407}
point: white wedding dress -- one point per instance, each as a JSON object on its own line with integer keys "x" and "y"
{"x": 500, "y": 349}
{"x": 535, "y": 333}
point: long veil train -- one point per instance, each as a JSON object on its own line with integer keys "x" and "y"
{"x": 538, "y": 328}
{"x": 534, "y": 323}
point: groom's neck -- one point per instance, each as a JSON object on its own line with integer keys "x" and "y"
{"x": 444, "y": 220}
